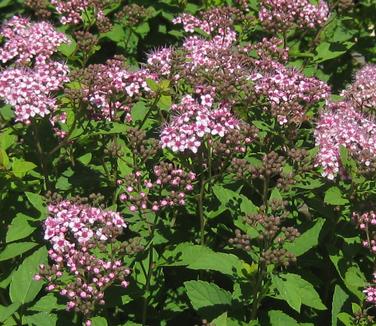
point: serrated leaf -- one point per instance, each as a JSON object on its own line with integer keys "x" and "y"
{"x": 47, "y": 304}
{"x": 41, "y": 319}
{"x": 203, "y": 294}
{"x": 15, "y": 249}
{"x": 23, "y": 288}
{"x": 293, "y": 283}
{"x": 116, "y": 33}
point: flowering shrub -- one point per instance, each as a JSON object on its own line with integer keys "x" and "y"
{"x": 187, "y": 162}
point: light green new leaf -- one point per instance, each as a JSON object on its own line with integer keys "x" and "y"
{"x": 20, "y": 168}
{"x": 333, "y": 196}
{"x": 23, "y": 288}
{"x": 203, "y": 294}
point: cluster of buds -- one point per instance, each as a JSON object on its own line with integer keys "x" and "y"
{"x": 370, "y": 291}
{"x": 241, "y": 240}
{"x": 133, "y": 14}
{"x": 282, "y": 15}
{"x": 86, "y": 41}
{"x": 273, "y": 236}
{"x": 271, "y": 48}
{"x": 195, "y": 120}
{"x": 142, "y": 147}
{"x": 79, "y": 235}
{"x": 168, "y": 188}
{"x": 40, "y": 7}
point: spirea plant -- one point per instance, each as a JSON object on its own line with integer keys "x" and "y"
{"x": 188, "y": 162}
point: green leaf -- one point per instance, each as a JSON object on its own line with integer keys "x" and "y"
{"x": 327, "y": 51}
{"x": 67, "y": 49}
{"x": 23, "y": 288}
{"x": 41, "y": 319}
{"x": 19, "y": 228}
{"x": 279, "y": 318}
{"x": 139, "y": 111}
{"x": 4, "y": 159}
{"x": 346, "y": 319}
{"x": 152, "y": 84}
{"x": 220, "y": 320}
{"x": 116, "y": 33}
{"x": 47, "y": 304}
{"x": 203, "y": 294}
{"x": 287, "y": 292}
{"x": 203, "y": 258}
{"x": 339, "y": 299}
{"x": 20, "y": 168}
{"x": 38, "y": 202}
{"x": 85, "y": 159}
{"x": 98, "y": 321}
{"x": 307, "y": 240}
{"x": 333, "y": 196}
{"x": 7, "y": 311}
{"x": 15, "y": 249}
{"x": 165, "y": 102}
{"x": 293, "y": 283}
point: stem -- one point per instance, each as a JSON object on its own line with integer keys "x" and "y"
{"x": 149, "y": 274}
{"x": 41, "y": 155}
{"x": 150, "y": 110}
{"x": 200, "y": 203}
{"x": 66, "y": 139}
{"x": 256, "y": 291}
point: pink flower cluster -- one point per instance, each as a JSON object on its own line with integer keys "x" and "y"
{"x": 362, "y": 93}
{"x": 29, "y": 90}
{"x": 143, "y": 194}
{"x": 282, "y": 15}
{"x": 287, "y": 90}
{"x": 27, "y": 40}
{"x": 193, "y": 121}
{"x": 73, "y": 230}
{"x": 342, "y": 125}
{"x": 71, "y": 10}
{"x": 366, "y": 222}
{"x": 160, "y": 61}
{"x": 111, "y": 80}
